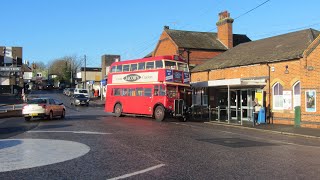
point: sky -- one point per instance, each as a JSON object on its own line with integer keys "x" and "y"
{"x": 51, "y": 29}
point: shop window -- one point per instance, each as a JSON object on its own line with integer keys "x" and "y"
{"x": 277, "y": 96}
{"x": 296, "y": 94}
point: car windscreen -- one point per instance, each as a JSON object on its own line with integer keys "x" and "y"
{"x": 83, "y": 91}
{"x": 79, "y": 96}
{"x": 37, "y": 101}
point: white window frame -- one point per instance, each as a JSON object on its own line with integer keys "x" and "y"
{"x": 277, "y": 99}
{"x": 296, "y": 98}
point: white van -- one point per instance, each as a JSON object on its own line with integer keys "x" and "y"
{"x": 81, "y": 91}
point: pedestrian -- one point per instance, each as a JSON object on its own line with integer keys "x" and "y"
{"x": 256, "y": 109}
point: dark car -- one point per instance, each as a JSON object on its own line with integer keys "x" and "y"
{"x": 79, "y": 99}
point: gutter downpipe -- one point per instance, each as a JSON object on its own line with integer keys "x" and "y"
{"x": 228, "y": 104}
{"x": 269, "y": 88}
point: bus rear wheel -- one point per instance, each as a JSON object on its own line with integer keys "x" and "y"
{"x": 118, "y": 110}
{"x": 159, "y": 113}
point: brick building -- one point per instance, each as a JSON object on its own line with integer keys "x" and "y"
{"x": 282, "y": 72}
{"x": 197, "y": 47}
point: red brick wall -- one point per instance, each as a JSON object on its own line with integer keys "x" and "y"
{"x": 165, "y": 46}
{"x": 310, "y": 73}
{"x": 225, "y": 34}
{"x": 198, "y": 56}
{"x": 287, "y": 80}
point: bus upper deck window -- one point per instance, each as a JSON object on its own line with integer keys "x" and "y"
{"x": 133, "y": 67}
{"x": 141, "y": 66}
{"x": 170, "y": 65}
{"x": 183, "y": 67}
{"x": 119, "y": 68}
{"x": 159, "y": 64}
{"x": 150, "y": 65}
{"x": 126, "y": 67}
{"x": 113, "y": 69}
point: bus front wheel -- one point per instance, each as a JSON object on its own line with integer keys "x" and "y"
{"x": 118, "y": 110}
{"x": 159, "y": 113}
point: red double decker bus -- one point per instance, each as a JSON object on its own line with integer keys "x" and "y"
{"x": 156, "y": 87}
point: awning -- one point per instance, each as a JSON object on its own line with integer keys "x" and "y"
{"x": 257, "y": 81}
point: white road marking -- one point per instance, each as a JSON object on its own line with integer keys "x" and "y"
{"x": 16, "y": 154}
{"x": 75, "y": 132}
{"x": 138, "y": 172}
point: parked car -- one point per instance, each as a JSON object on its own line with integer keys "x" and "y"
{"x": 70, "y": 92}
{"x": 43, "y": 108}
{"x": 85, "y": 92}
{"x": 79, "y": 99}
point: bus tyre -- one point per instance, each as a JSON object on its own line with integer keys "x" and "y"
{"x": 159, "y": 113}
{"x": 118, "y": 110}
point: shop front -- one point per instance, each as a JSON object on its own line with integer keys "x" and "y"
{"x": 230, "y": 100}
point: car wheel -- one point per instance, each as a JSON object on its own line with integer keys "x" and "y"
{"x": 118, "y": 110}
{"x": 27, "y": 118}
{"x": 159, "y": 113}
{"x": 63, "y": 115}
{"x": 50, "y": 117}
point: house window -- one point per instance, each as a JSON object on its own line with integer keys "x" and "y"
{"x": 277, "y": 96}
{"x": 296, "y": 94}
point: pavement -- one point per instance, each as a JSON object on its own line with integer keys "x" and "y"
{"x": 97, "y": 102}
{"x": 277, "y": 128}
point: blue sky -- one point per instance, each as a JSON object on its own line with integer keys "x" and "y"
{"x": 50, "y": 29}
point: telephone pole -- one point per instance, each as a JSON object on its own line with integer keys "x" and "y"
{"x": 85, "y": 74}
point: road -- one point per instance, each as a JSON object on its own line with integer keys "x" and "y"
{"x": 90, "y": 144}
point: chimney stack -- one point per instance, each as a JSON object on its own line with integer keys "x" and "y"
{"x": 225, "y": 34}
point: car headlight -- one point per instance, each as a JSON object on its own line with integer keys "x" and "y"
{"x": 88, "y": 100}
{"x": 77, "y": 100}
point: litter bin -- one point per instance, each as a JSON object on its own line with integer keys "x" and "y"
{"x": 262, "y": 116}
{"x": 297, "y": 116}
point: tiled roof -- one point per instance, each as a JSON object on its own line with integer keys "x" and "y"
{"x": 202, "y": 40}
{"x": 278, "y": 48}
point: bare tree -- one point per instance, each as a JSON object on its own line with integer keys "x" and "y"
{"x": 65, "y": 67}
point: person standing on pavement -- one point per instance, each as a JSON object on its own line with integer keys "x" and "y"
{"x": 256, "y": 109}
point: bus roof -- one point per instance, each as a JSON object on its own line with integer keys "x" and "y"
{"x": 168, "y": 57}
